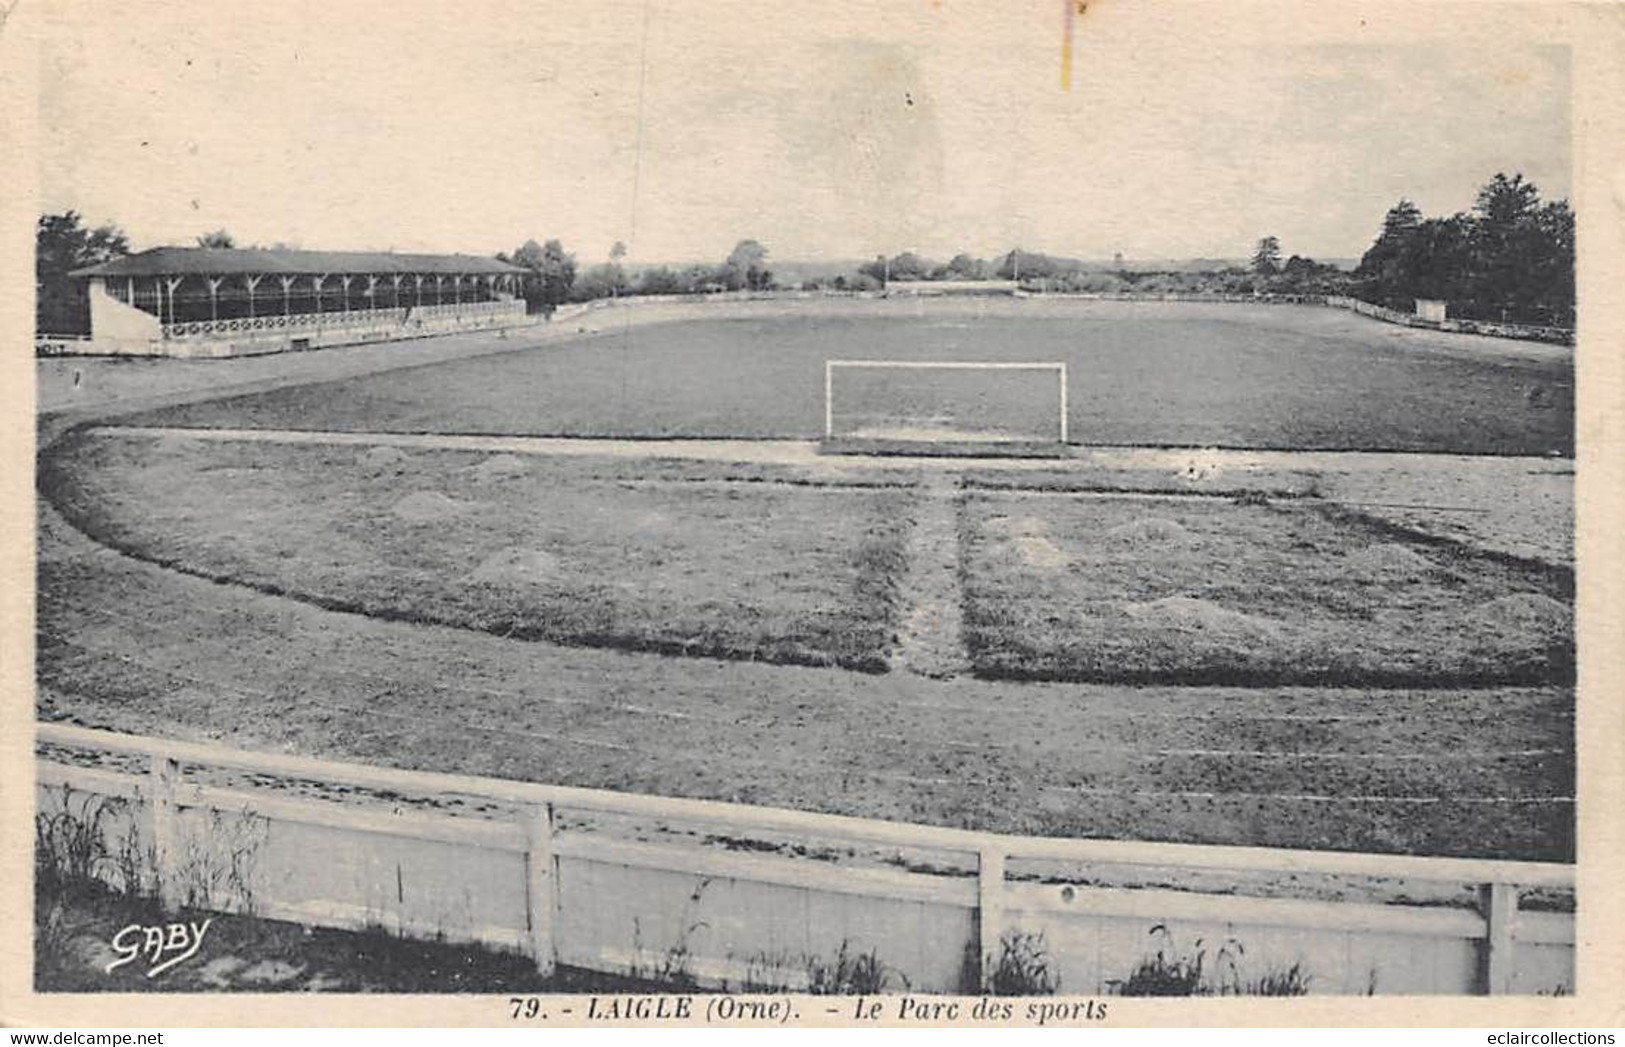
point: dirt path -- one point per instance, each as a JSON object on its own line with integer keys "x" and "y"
{"x": 929, "y": 642}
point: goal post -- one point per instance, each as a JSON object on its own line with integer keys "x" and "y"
{"x": 946, "y": 400}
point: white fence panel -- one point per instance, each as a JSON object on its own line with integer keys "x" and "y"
{"x": 707, "y": 891}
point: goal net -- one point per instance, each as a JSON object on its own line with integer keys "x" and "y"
{"x": 945, "y": 401}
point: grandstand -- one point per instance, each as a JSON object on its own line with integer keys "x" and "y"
{"x": 197, "y": 301}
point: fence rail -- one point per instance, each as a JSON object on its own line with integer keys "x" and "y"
{"x": 543, "y": 883}
{"x": 280, "y": 322}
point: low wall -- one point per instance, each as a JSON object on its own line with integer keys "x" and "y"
{"x": 736, "y": 895}
{"x": 249, "y": 336}
{"x": 1182, "y": 296}
{"x": 1524, "y": 332}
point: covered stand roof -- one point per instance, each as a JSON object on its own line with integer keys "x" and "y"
{"x": 217, "y": 261}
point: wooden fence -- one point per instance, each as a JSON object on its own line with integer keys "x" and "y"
{"x": 741, "y": 896}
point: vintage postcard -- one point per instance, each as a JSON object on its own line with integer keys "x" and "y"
{"x": 1021, "y": 513}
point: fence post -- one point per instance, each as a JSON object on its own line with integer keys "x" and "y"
{"x": 829, "y": 407}
{"x": 161, "y": 816}
{"x": 541, "y": 887}
{"x": 989, "y": 909}
{"x": 1499, "y": 903}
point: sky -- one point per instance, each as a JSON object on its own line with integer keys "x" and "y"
{"x": 826, "y": 131}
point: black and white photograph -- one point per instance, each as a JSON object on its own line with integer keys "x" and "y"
{"x": 936, "y": 512}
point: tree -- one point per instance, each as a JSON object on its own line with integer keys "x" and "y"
{"x": 1551, "y": 277}
{"x": 1379, "y": 266}
{"x": 1508, "y": 243}
{"x": 1400, "y": 220}
{"x": 660, "y": 280}
{"x": 550, "y": 275}
{"x": 964, "y": 267}
{"x": 61, "y": 245}
{"x": 1025, "y": 265}
{"x": 746, "y": 267}
{"x": 1306, "y": 276}
{"x": 1511, "y": 257}
{"x": 1267, "y": 256}
{"x": 606, "y": 280}
{"x": 617, "y": 276}
{"x": 218, "y": 238}
{"x": 1504, "y": 202}
{"x": 908, "y": 266}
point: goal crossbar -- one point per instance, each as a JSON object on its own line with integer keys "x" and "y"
{"x": 950, "y": 365}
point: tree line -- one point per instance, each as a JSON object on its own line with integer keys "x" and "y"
{"x": 553, "y": 277}
{"x": 1511, "y": 257}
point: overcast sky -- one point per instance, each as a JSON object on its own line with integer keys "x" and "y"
{"x": 680, "y": 126}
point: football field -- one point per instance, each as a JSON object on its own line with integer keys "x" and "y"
{"x": 1206, "y": 647}
{"x": 1155, "y": 374}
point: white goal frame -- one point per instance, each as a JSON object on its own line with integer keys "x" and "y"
{"x": 951, "y": 365}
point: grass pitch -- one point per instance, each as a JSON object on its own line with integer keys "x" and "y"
{"x": 583, "y": 552}
{"x": 1202, "y": 590}
{"x": 1180, "y": 375}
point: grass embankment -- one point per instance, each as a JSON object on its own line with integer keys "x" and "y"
{"x": 678, "y": 559}
{"x": 1193, "y": 590}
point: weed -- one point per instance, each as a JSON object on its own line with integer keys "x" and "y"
{"x": 70, "y": 846}
{"x": 1293, "y": 981}
{"x": 80, "y": 847}
{"x": 214, "y": 867}
{"x": 1166, "y": 973}
{"x": 673, "y": 968}
{"x": 1207, "y": 971}
{"x": 764, "y": 974}
{"x": 52, "y": 949}
{"x": 1023, "y": 967}
{"x": 850, "y": 974}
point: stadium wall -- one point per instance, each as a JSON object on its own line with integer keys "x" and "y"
{"x": 1523, "y": 332}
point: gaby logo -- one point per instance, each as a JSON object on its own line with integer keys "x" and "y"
{"x": 163, "y": 945}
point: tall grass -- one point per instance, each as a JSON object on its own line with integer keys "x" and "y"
{"x": 1023, "y": 967}
{"x": 1207, "y": 969}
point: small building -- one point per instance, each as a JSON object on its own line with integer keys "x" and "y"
{"x": 1432, "y": 310}
{"x": 205, "y": 301}
{"x": 951, "y": 287}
